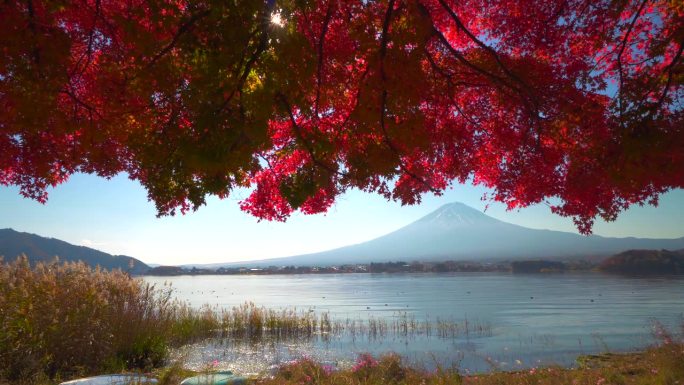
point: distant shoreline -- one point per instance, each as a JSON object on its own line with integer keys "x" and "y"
{"x": 399, "y": 267}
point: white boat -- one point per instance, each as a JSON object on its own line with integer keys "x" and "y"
{"x": 114, "y": 379}
{"x": 225, "y": 377}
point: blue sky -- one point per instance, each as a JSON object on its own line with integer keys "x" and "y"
{"x": 115, "y": 216}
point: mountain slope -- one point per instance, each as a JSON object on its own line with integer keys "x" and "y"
{"x": 458, "y": 232}
{"x": 37, "y": 248}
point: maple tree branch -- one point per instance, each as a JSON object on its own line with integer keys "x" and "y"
{"x": 446, "y": 75}
{"x": 494, "y": 54}
{"x": 263, "y": 42}
{"x": 261, "y": 47}
{"x": 32, "y": 27}
{"x": 383, "y": 102}
{"x": 383, "y": 53}
{"x": 383, "y": 98}
{"x": 451, "y": 84}
{"x": 670, "y": 74}
{"x": 91, "y": 40}
{"x": 81, "y": 103}
{"x": 184, "y": 28}
{"x": 237, "y": 72}
{"x": 268, "y": 161}
{"x": 459, "y": 56}
{"x": 321, "y": 42}
{"x": 482, "y": 45}
{"x": 357, "y": 99}
{"x": 534, "y": 110}
{"x": 533, "y": 100}
{"x": 300, "y": 137}
{"x": 623, "y": 46}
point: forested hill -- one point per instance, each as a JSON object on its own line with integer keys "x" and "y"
{"x": 37, "y": 248}
{"x": 646, "y": 262}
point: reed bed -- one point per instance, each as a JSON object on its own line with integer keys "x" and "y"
{"x": 61, "y": 319}
{"x": 250, "y": 322}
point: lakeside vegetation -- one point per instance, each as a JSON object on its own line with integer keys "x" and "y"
{"x": 59, "y": 320}
{"x": 63, "y": 320}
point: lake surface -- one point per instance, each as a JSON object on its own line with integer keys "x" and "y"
{"x": 532, "y": 320}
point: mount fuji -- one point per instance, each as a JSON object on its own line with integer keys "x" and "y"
{"x": 458, "y": 232}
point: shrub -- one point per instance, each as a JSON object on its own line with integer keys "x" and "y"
{"x": 386, "y": 370}
{"x": 60, "y": 319}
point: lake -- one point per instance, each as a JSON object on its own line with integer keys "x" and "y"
{"x": 531, "y": 320}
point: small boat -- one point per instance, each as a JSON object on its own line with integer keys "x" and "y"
{"x": 217, "y": 378}
{"x": 114, "y": 379}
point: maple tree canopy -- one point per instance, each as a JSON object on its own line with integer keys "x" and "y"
{"x": 576, "y": 102}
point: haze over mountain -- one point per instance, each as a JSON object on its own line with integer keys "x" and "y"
{"x": 458, "y": 232}
{"x": 37, "y": 248}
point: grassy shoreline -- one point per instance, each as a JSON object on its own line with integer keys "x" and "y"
{"x": 658, "y": 365}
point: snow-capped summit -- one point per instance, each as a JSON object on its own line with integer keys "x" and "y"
{"x": 457, "y": 214}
